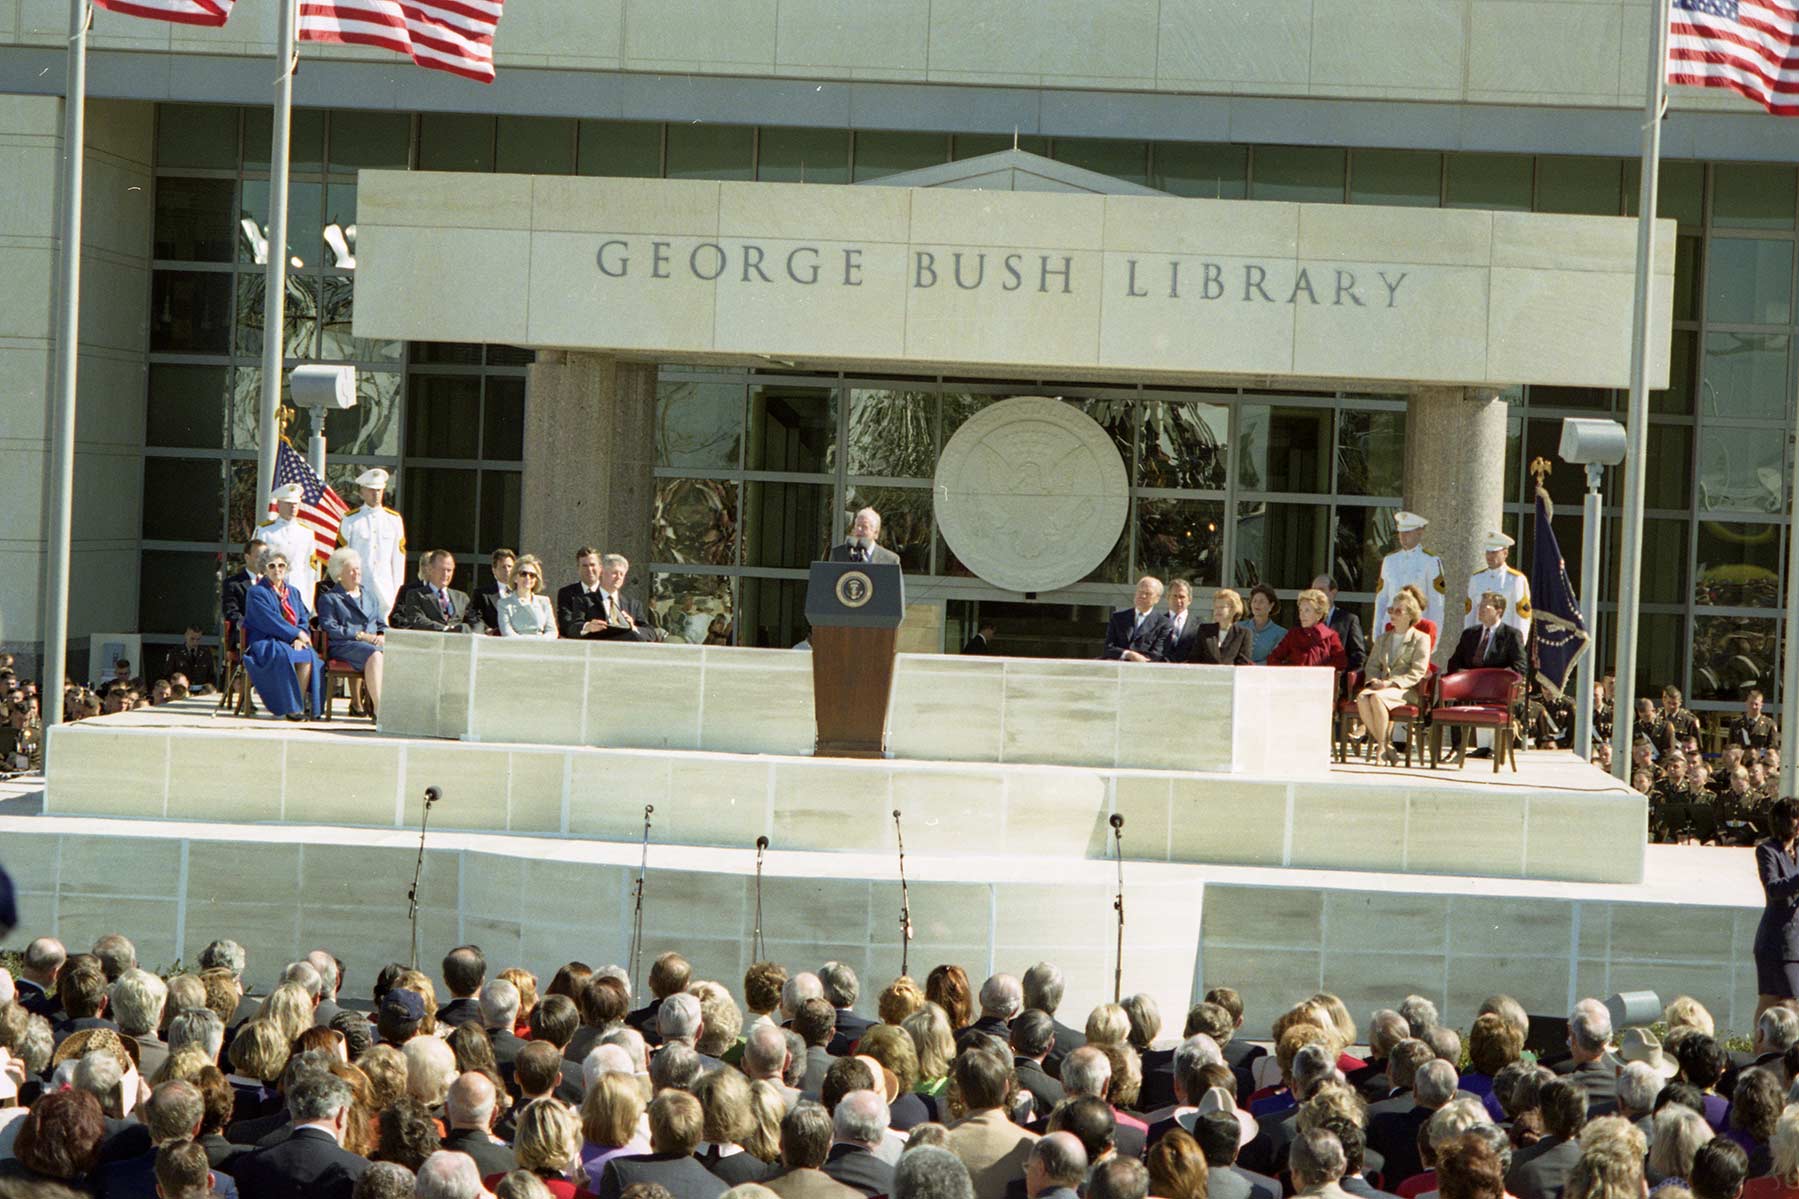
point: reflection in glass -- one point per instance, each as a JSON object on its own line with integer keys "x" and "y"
{"x": 336, "y": 340}
{"x": 957, "y": 408}
{"x": 242, "y": 512}
{"x": 791, "y": 428}
{"x": 373, "y": 426}
{"x": 305, "y": 139}
{"x": 370, "y": 139}
{"x": 186, "y": 406}
{"x": 772, "y": 613}
{"x": 178, "y": 589}
{"x": 1744, "y": 375}
{"x": 1183, "y": 445}
{"x": 785, "y": 524}
{"x": 694, "y": 609}
{"x": 1738, "y": 565}
{"x": 1665, "y": 551}
{"x": 199, "y": 135}
{"x": 190, "y": 312}
{"x": 1114, "y": 416}
{"x": 440, "y": 509}
{"x": 339, "y": 252}
{"x": 189, "y": 497}
{"x": 1740, "y": 469}
{"x": 1668, "y": 479}
{"x": 305, "y": 226}
{"x": 1181, "y": 539}
{"x": 1662, "y": 650}
{"x": 699, "y": 424}
{"x": 1732, "y": 654}
{"x": 443, "y": 417}
{"x": 1283, "y": 449}
{"x": 1280, "y": 544}
{"x": 1750, "y": 281}
{"x": 193, "y": 219}
{"x": 1371, "y": 453}
{"x": 905, "y": 521}
{"x": 1364, "y": 537}
{"x": 892, "y": 433}
{"x": 300, "y": 326}
{"x": 1686, "y": 278}
{"x": 454, "y": 141}
{"x": 695, "y": 522}
{"x": 1678, "y": 398}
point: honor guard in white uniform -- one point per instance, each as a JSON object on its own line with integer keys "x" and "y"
{"x": 1410, "y": 563}
{"x": 378, "y": 534}
{"x": 295, "y": 541}
{"x": 1506, "y": 580}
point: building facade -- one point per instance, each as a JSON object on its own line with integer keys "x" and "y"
{"x": 1453, "y": 104}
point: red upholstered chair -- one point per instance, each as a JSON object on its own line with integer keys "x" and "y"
{"x": 1478, "y": 699}
{"x": 1416, "y": 717}
{"x": 1345, "y": 713}
{"x": 336, "y": 669}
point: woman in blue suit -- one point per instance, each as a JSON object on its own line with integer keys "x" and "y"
{"x": 278, "y": 652}
{"x": 1776, "y": 947}
{"x": 353, "y": 634}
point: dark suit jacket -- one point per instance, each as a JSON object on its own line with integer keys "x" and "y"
{"x": 1348, "y": 627}
{"x": 486, "y": 601}
{"x": 850, "y": 1028}
{"x": 1149, "y": 639}
{"x": 135, "y": 1178}
{"x": 860, "y": 1170}
{"x": 1600, "y": 1083}
{"x": 308, "y": 1165}
{"x": 419, "y": 609}
{"x": 977, "y": 644}
{"x": 736, "y": 1169}
{"x": 1360, "y": 1187}
{"x": 1777, "y": 933}
{"x": 818, "y": 1062}
{"x": 1157, "y": 1090}
{"x": 907, "y": 1112}
{"x": 1230, "y": 649}
{"x": 325, "y": 1013}
{"x": 218, "y": 1149}
{"x": 1507, "y": 650}
{"x": 506, "y": 1049}
{"x": 1067, "y": 1041}
{"x": 1182, "y": 648}
{"x": 1541, "y": 1171}
{"x": 490, "y": 1156}
{"x": 1236, "y": 1182}
{"x": 231, "y": 596}
{"x": 879, "y": 554}
{"x": 684, "y": 1177}
{"x": 34, "y": 999}
{"x": 1045, "y": 1091}
{"x": 458, "y": 1012}
{"x": 574, "y": 608}
{"x": 1395, "y": 1136}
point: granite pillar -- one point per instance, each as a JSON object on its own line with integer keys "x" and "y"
{"x": 589, "y": 449}
{"x": 1455, "y": 478}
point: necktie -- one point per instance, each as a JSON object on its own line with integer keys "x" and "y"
{"x": 1486, "y": 643}
{"x": 860, "y": 554}
{"x": 443, "y": 599}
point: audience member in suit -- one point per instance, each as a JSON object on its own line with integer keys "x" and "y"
{"x": 463, "y": 972}
{"x": 499, "y": 1016}
{"x": 1183, "y": 623}
{"x": 1225, "y": 639}
{"x": 859, "y": 1124}
{"x": 1139, "y": 633}
{"x": 1313, "y": 1065}
{"x": 487, "y": 595}
{"x": 469, "y": 1113}
{"x": 1220, "y": 1137}
{"x": 596, "y": 608}
{"x": 1033, "y": 1037}
{"x": 1056, "y": 1168}
{"x": 1317, "y": 1165}
{"x": 676, "y": 1125}
{"x": 842, "y": 988}
{"x": 434, "y": 606}
{"x": 1394, "y": 1134}
{"x": 1492, "y": 642}
{"x": 1043, "y": 985}
{"x": 1001, "y": 999}
{"x": 1349, "y": 1134}
{"x": 135, "y": 1003}
{"x": 815, "y": 1022}
{"x": 1541, "y": 1171}
{"x": 81, "y": 994}
{"x": 312, "y": 1163}
{"x": 1345, "y": 624}
{"x": 981, "y": 642}
{"x": 553, "y": 1022}
{"x": 173, "y": 1115}
{"x": 863, "y": 542}
{"x": 36, "y": 985}
{"x": 236, "y": 586}
{"x": 1087, "y": 1071}
{"x": 729, "y": 1120}
{"x": 992, "y": 1147}
{"x": 1589, "y": 1034}
{"x": 805, "y": 1147}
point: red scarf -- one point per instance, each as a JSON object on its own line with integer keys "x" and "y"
{"x": 287, "y": 609}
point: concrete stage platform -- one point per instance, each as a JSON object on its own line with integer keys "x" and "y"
{"x": 1557, "y": 818}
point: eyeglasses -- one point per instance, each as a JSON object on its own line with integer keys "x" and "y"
{"x": 527, "y": 574}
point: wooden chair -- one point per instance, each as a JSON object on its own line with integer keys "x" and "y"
{"x": 337, "y": 670}
{"x": 234, "y": 693}
{"x": 1346, "y": 712}
{"x": 1414, "y": 717}
{"x": 1482, "y": 698}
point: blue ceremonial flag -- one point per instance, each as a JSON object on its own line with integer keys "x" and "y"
{"x": 1556, "y": 618}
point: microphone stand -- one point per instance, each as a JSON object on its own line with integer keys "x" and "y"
{"x": 1118, "y": 904}
{"x": 643, "y": 865}
{"x": 905, "y": 898}
{"x": 756, "y": 938}
{"x": 432, "y": 795}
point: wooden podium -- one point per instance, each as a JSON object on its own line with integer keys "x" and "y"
{"x": 855, "y": 609}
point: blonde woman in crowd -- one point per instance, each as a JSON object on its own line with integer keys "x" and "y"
{"x": 526, "y": 611}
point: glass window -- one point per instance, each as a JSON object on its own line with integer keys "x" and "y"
{"x": 300, "y": 317}
{"x": 1664, "y": 579}
{"x": 1740, "y": 469}
{"x": 791, "y": 428}
{"x": 193, "y": 219}
{"x": 1499, "y": 181}
{"x": 1566, "y": 484}
{"x": 1596, "y": 399}
{"x": 1745, "y": 375}
{"x": 695, "y": 522}
{"x": 1200, "y": 170}
{"x": 1297, "y": 173}
{"x": 1662, "y": 650}
{"x": 1680, "y": 190}
{"x": 177, "y": 589}
{"x": 1364, "y": 536}
{"x": 337, "y": 339}
{"x": 711, "y": 152}
{"x": 305, "y": 139}
{"x": 906, "y": 521}
{"x": 879, "y": 154}
{"x": 1406, "y": 177}
{"x": 1678, "y": 398}
{"x": 243, "y": 513}
{"x": 186, "y": 407}
{"x": 1183, "y": 445}
{"x": 502, "y": 506}
{"x": 1738, "y": 565}
{"x": 1686, "y": 278}
{"x": 973, "y": 145}
{"x": 1371, "y": 453}
{"x": 1750, "y": 281}
{"x": 373, "y": 426}
{"x": 788, "y": 524}
{"x": 695, "y": 609}
{"x": 198, "y": 135}
{"x": 1667, "y": 483}
{"x": 1731, "y": 655}
{"x": 305, "y": 228}
{"x": 440, "y": 509}
{"x": 772, "y": 613}
{"x": 1181, "y": 539}
{"x": 443, "y": 417}
{"x": 699, "y": 425}
{"x": 503, "y": 420}
{"x": 620, "y": 148}
{"x": 1579, "y": 185}
{"x": 190, "y": 312}
{"x": 1283, "y": 449}
{"x": 455, "y": 141}
{"x": 803, "y": 155}
{"x": 1119, "y": 159}
{"x": 1281, "y": 544}
{"x": 446, "y": 353}
{"x": 1114, "y": 416}
{"x": 370, "y": 139}
{"x": 535, "y": 145}
{"x": 190, "y": 494}
{"x": 1748, "y": 195}
{"x": 246, "y": 406}
{"x": 339, "y": 253}
{"x": 892, "y": 433}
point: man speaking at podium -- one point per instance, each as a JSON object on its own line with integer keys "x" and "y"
{"x": 862, "y": 545}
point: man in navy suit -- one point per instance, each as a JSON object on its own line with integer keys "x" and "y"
{"x": 312, "y": 1163}
{"x": 1183, "y": 623}
{"x": 231, "y": 598}
{"x": 1139, "y": 633}
{"x": 1344, "y": 623}
{"x": 1491, "y": 643}
{"x": 842, "y": 988}
{"x": 173, "y": 1115}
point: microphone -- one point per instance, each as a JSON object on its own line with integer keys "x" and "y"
{"x": 1117, "y": 821}
{"x": 896, "y": 815}
{"x": 647, "y": 809}
{"x": 637, "y": 905}
{"x": 905, "y": 898}
{"x": 761, "y": 843}
{"x": 756, "y": 936}
{"x": 432, "y": 795}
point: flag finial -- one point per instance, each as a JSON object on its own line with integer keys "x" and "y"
{"x": 1540, "y": 469}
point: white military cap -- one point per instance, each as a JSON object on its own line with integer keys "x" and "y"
{"x": 1405, "y": 522}
{"x": 292, "y": 493}
{"x": 1497, "y": 541}
{"x": 374, "y": 476}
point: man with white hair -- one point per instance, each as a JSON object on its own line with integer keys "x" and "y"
{"x": 1394, "y": 1135}
{"x": 36, "y": 983}
{"x": 680, "y": 1022}
{"x": 136, "y": 1003}
{"x": 330, "y": 979}
{"x": 842, "y": 988}
{"x": 448, "y": 1174}
{"x": 1087, "y": 1071}
{"x": 469, "y": 1111}
{"x": 1589, "y": 1065}
{"x": 499, "y": 1001}
{"x": 200, "y": 1027}
{"x": 796, "y": 990}
{"x": 312, "y": 1162}
{"x": 430, "y": 1069}
{"x": 1317, "y": 1163}
{"x": 766, "y": 1058}
{"x": 863, "y": 542}
{"x": 1419, "y": 1013}
{"x": 1195, "y": 1053}
{"x": 858, "y": 1127}
{"x": 1002, "y": 998}
{"x": 1043, "y": 986}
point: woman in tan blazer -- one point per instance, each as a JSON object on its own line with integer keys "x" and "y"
{"x": 1397, "y": 662}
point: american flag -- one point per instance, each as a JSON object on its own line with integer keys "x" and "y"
{"x": 1748, "y": 46}
{"x": 184, "y": 12}
{"x": 321, "y": 509}
{"x": 445, "y": 35}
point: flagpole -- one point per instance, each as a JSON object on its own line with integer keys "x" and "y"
{"x": 1630, "y": 559}
{"x": 274, "y": 292}
{"x": 68, "y": 332}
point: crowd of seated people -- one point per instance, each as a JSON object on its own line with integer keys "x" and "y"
{"x": 1722, "y": 798}
{"x": 117, "y": 1082}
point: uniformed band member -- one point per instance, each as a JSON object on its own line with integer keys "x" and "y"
{"x": 293, "y": 540}
{"x": 1752, "y": 730}
{"x": 1505, "y": 579}
{"x": 378, "y": 534}
{"x": 1673, "y": 724}
{"x": 1410, "y": 563}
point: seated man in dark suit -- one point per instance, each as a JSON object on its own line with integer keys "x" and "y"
{"x": 842, "y": 988}
{"x": 1221, "y": 1135}
{"x": 1394, "y": 1135}
{"x": 469, "y": 1112}
{"x": 1043, "y": 986}
{"x": 499, "y": 1015}
{"x": 1033, "y": 1037}
{"x": 1345, "y": 624}
{"x": 231, "y": 594}
{"x": 863, "y": 543}
{"x": 173, "y": 1114}
{"x": 487, "y": 595}
{"x": 1541, "y": 1171}
{"x": 859, "y": 1124}
{"x": 464, "y": 970}
{"x": 434, "y": 606}
{"x": 805, "y": 1147}
{"x": 1139, "y": 633}
{"x": 1183, "y": 623}
{"x": 596, "y": 608}
{"x": 982, "y": 641}
{"x": 1491, "y": 643}
{"x": 312, "y": 1163}
{"x": 676, "y": 1124}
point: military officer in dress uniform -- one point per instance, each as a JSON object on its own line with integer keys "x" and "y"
{"x": 1410, "y": 563}
{"x": 295, "y": 541}
{"x": 1752, "y": 730}
{"x": 378, "y": 534}
{"x": 1504, "y": 578}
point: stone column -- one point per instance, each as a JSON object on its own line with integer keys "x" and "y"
{"x": 1455, "y": 478}
{"x": 590, "y": 424}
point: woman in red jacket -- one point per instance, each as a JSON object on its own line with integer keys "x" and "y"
{"x": 1311, "y": 642}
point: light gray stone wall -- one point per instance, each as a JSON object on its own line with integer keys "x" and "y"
{"x": 1455, "y": 478}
